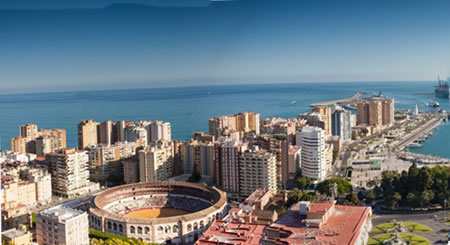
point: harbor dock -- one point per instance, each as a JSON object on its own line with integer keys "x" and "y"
{"x": 352, "y": 99}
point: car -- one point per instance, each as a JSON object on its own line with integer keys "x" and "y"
{"x": 434, "y": 216}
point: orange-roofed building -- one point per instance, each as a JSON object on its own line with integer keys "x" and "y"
{"x": 230, "y": 232}
{"x": 322, "y": 223}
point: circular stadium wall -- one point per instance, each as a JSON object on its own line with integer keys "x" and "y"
{"x": 158, "y": 212}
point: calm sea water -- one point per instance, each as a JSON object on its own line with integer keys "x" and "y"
{"x": 188, "y": 108}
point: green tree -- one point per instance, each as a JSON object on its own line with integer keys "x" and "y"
{"x": 426, "y": 197}
{"x": 293, "y": 197}
{"x": 304, "y": 182}
{"x": 195, "y": 176}
{"x": 335, "y": 155}
{"x": 352, "y": 199}
{"x": 343, "y": 186}
{"x": 370, "y": 197}
{"x": 310, "y": 196}
{"x": 411, "y": 199}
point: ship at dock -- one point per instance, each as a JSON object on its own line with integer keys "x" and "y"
{"x": 441, "y": 90}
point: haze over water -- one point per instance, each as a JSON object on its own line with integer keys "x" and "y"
{"x": 189, "y": 108}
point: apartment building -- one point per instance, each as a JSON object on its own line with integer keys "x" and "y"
{"x": 227, "y": 152}
{"x": 69, "y": 169}
{"x": 197, "y": 154}
{"x": 314, "y": 153}
{"x": 257, "y": 170}
{"x": 325, "y": 113}
{"x": 341, "y": 124}
{"x": 38, "y": 142}
{"x": 62, "y": 225}
{"x": 234, "y": 125}
{"x": 87, "y": 133}
{"x": 156, "y": 161}
{"x": 106, "y": 160}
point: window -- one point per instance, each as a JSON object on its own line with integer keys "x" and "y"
{"x": 109, "y": 225}
{"x": 139, "y": 230}
{"x": 147, "y": 230}
{"x": 132, "y": 230}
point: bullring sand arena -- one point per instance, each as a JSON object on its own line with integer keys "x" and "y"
{"x": 158, "y": 212}
{"x": 150, "y": 213}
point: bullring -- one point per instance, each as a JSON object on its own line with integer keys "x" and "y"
{"x": 194, "y": 208}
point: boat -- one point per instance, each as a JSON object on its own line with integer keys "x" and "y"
{"x": 414, "y": 145}
{"x": 434, "y": 104}
{"x": 441, "y": 90}
{"x": 292, "y": 102}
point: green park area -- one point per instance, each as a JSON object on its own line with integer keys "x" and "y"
{"x": 414, "y": 227}
{"x": 413, "y": 239}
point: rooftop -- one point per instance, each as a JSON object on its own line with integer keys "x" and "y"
{"x": 342, "y": 227}
{"x": 222, "y": 232}
{"x": 13, "y": 233}
{"x": 61, "y": 213}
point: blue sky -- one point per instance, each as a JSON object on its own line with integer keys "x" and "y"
{"x": 79, "y": 45}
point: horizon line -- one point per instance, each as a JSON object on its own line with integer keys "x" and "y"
{"x": 204, "y": 85}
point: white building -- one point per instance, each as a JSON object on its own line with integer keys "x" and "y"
{"x": 70, "y": 172}
{"x": 159, "y": 130}
{"x": 314, "y": 149}
{"x": 62, "y": 225}
{"x": 135, "y": 132}
{"x": 156, "y": 162}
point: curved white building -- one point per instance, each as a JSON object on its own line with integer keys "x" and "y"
{"x": 312, "y": 141}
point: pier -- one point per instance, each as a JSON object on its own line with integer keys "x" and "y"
{"x": 354, "y": 98}
{"x": 419, "y": 134}
{"x": 422, "y": 159}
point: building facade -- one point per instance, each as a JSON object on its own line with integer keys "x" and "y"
{"x": 156, "y": 161}
{"x": 62, "y": 225}
{"x": 257, "y": 170}
{"x": 243, "y": 122}
{"x": 69, "y": 169}
{"x": 341, "y": 124}
{"x": 314, "y": 153}
{"x": 227, "y": 153}
{"x": 87, "y": 133}
{"x": 196, "y": 154}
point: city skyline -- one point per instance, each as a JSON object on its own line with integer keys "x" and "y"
{"x": 116, "y": 46}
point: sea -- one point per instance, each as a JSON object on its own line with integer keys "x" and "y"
{"x": 189, "y": 108}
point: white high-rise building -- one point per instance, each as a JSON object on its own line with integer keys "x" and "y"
{"x": 62, "y": 225}
{"x": 416, "y": 111}
{"x": 136, "y": 132}
{"x": 156, "y": 161}
{"x": 159, "y": 130}
{"x": 70, "y": 172}
{"x": 312, "y": 141}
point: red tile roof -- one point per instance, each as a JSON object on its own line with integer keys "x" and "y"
{"x": 222, "y": 232}
{"x": 320, "y": 207}
{"x": 342, "y": 227}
